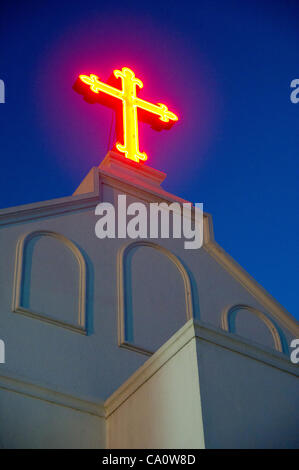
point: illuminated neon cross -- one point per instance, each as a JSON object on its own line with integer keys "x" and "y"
{"x": 130, "y": 103}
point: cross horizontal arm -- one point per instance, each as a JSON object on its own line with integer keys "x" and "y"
{"x": 96, "y": 86}
{"x": 159, "y": 109}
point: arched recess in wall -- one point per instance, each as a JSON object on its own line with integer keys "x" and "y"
{"x": 154, "y": 296}
{"x": 50, "y": 280}
{"x": 253, "y": 324}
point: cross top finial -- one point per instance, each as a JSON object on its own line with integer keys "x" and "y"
{"x": 130, "y": 104}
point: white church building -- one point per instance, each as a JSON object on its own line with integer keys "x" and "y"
{"x": 121, "y": 343}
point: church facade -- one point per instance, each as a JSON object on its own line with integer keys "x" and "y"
{"x": 120, "y": 343}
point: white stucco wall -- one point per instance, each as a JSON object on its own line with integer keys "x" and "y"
{"x": 88, "y": 363}
{"x": 250, "y": 397}
{"x": 206, "y": 389}
{"x": 30, "y": 422}
{"x": 159, "y": 407}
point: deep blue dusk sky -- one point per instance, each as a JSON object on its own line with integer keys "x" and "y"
{"x": 224, "y": 66}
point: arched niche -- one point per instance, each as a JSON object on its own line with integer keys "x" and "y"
{"x": 50, "y": 280}
{"x": 253, "y": 324}
{"x": 154, "y": 296}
